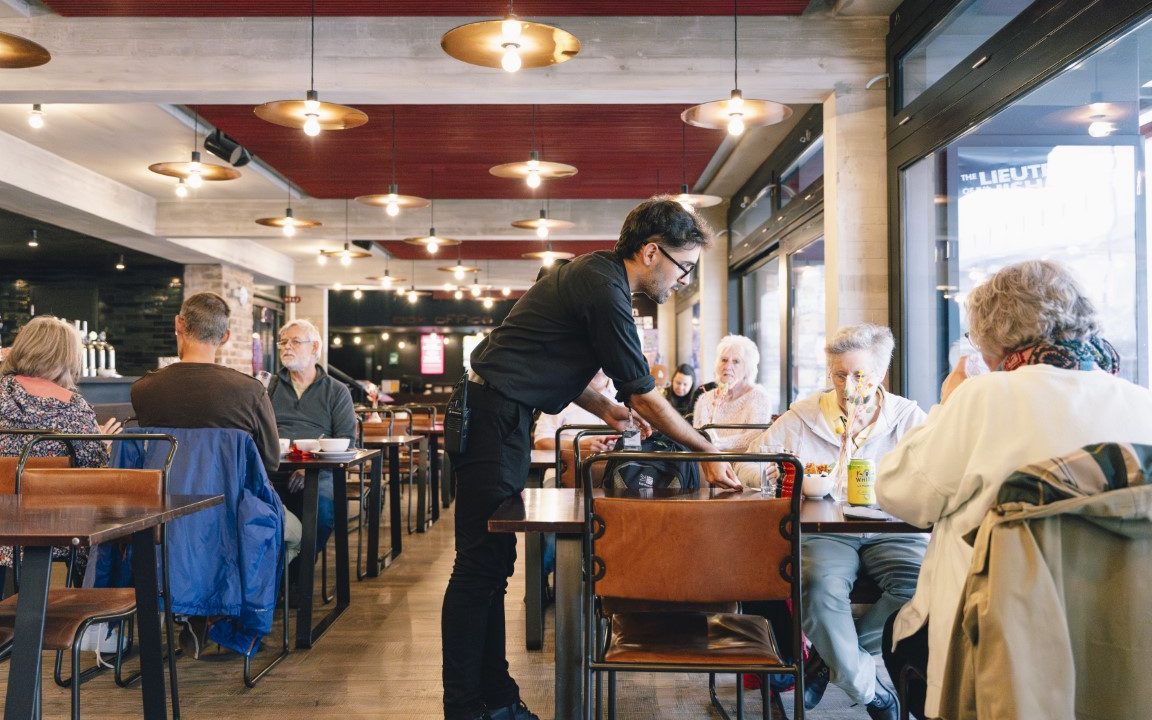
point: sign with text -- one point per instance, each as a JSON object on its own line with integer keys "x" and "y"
{"x": 432, "y": 354}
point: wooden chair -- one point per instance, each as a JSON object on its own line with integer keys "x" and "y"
{"x": 567, "y": 459}
{"x": 630, "y": 560}
{"x": 71, "y": 611}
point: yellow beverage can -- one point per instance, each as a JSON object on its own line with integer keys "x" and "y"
{"x": 861, "y": 482}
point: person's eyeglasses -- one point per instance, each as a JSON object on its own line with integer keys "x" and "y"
{"x": 971, "y": 341}
{"x": 285, "y": 342}
{"x": 685, "y": 271}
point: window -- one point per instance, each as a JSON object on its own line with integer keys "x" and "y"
{"x": 805, "y": 170}
{"x": 762, "y": 303}
{"x": 965, "y": 28}
{"x": 806, "y": 334}
{"x": 1058, "y": 174}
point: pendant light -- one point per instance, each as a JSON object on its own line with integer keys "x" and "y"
{"x": 34, "y": 239}
{"x": 533, "y": 170}
{"x": 688, "y": 200}
{"x": 17, "y": 53}
{"x": 310, "y": 114}
{"x": 387, "y": 280}
{"x": 120, "y": 262}
{"x": 432, "y": 242}
{"x": 392, "y": 201}
{"x": 543, "y": 225}
{"x": 1099, "y": 112}
{"x": 460, "y": 270}
{"x": 193, "y": 173}
{"x": 547, "y": 256}
{"x": 510, "y": 43}
{"x": 289, "y": 223}
{"x": 413, "y": 294}
{"x": 36, "y": 117}
{"x": 348, "y": 253}
{"x": 737, "y": 112}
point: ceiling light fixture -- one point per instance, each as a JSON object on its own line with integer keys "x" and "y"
{"x": 459, "y": 294}
{"x": 547, "y": 256}
{"x": 688, "y": 200}
{"x": 34, "y": 241}
{"x": 289, "y": 223}
{"x": 36, "y": 117}
{"x": 193, "y": 173}
{"x": 120, "y": 262}
{"x": 543, "y": 225}
{"x": 432, "y": 242}
{"x": 181, "y": 189}
{"x": 737, "y": 112}
{"x": 310, "y": 114}
{"x": 1098, "y": 110}
{"x": 533, "y": 170}
{"x": 357, "y": 294}
{"x": 460, "y": 270}
{"x": 510, "y": 43}
{"x": 321, "y": 259}
{"x": 393, "y": 201}
{"x": 17, "y": 53}
{"x": 506, "y": 291}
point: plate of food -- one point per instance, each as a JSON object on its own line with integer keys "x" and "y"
{"x": 818, "y": 479}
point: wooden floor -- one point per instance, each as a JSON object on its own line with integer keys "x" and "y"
{"x": 382, "y": 660}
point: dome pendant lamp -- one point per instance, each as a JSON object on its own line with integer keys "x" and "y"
{"x": 510, "y": 43}
{"x": 393, "y": 201}
{"x": 533, "y": 170}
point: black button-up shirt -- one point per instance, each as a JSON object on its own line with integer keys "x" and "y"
{"x": 572, "y": 322}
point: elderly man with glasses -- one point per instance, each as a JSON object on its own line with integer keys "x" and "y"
{"x": 308, "y": 403}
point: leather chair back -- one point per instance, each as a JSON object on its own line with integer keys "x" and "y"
{"x": 8, "y": 469}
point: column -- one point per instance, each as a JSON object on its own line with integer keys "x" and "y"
{"x": 236, "y": 287}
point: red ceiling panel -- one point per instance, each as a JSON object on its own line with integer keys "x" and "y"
{"x": 418, "y": 8}
{"x": 617, "y": 149}
{"x": 474, "y": 250}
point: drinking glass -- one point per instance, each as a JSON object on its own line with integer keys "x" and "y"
{"x": 769, "y": 472}
{"x": 264, "y": 377}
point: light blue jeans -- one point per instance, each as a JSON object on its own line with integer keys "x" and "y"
{"x": 831, "y": 564}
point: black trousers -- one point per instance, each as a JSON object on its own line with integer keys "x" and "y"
{"x": 911, "y": 653}
{"x": 493, "y": 468}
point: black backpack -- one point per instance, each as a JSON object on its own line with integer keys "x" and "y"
{"x": 649, "y": 474}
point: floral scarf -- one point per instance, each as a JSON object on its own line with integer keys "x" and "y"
{"x": 1095, "y": 352}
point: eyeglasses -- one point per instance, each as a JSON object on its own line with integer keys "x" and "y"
{"x": 684, "y": 271}
{"x": 292, "y": 341}
{"x": 971, "y": 341}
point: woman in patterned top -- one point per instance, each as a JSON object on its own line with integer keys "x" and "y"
{"x": 37, "y": 392}
{"x": 737, "y": 399}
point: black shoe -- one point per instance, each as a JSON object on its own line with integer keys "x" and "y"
{"x": 885, "y": 705}
{"x": 816, "y": 675}
{"x": 516, "y": 711}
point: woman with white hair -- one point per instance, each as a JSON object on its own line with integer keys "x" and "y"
{"x": 854, "y": 418}
{"x": 736, "y": 399}
{"x": 1053, "y": 389}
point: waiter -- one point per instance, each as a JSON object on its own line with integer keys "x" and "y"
{"x": 568, "y": 325}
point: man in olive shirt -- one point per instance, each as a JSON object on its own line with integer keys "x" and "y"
{"x": 572, "y": 322}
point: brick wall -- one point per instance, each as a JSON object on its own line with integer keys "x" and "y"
{"x": 227, "y": 282}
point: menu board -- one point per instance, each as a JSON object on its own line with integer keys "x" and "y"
{"x": 432, "y": 354}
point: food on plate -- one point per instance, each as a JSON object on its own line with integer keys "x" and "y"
{"x": 818, "y": 468}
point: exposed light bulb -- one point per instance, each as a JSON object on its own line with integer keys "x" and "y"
{"x": 312, "y": 124}
{"x": 399, "y": 292}
{"x": 312, "y": 104}
{"x": 289, "y": 228}
{"x": 488, "y": 303}
{"x": 447, "y": 339}
{"x": 386, "y": 282}
{"x": 337, "y": 341}
{"x": 459, "y": 294}
{"x": 401, "y": 344}
{"x": 475, "y": 290}
{"x": 120, "y": 263}
{"x": 735, "y": 124}
{"x": 384, "y": 336}
{"x": 34, "y": 241}
{"x": 194, "y": 179}
{"x": 458, "y": 273}
{"x": 338, "y": 287}
{"x": 432, "y": 246}
{"x": 321, "y": 259}
{"x": 412, "y": 296}
{"x": 448, "y": 287}
{"x": 358, "y": 295}
{"x": 345, "y": 258}
{"x": 181, "y": 189}
{"x": 1100, "y": 129}
{"x": 542, "y": 231}
{"x": 547, "y": 258}
{"x": 511, "y": 28}
{"x": 506, "y": 291}
{"x": 510, "y": 60}
{"x": 36, "y": 117}
{"x": 355, "y": 339}
{"x": 736, "y": 113}
{"x": 533, "y": 179}
{"x": 392, "y": 209}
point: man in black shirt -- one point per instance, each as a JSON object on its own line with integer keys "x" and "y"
{"x": 571, "y": 323}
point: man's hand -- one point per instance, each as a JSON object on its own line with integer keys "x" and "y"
{"x": 720, "y": 475}
{"x": 296, "y": 481}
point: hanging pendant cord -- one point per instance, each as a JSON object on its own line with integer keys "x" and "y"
{"x": 683, "y": 153}
{"x": 345, "y": 223}
{"x": 393, "y": 146}
{"x": 432, "y": 204}
{"x": 533, "y": 126}
{"x": 312, "y": 64}
{"x": 735, "y": 45}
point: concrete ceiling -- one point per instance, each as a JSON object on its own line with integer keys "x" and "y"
{"x": 118, "y": 86}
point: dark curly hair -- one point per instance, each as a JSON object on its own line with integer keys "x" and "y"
{"x": 662, "y": 219}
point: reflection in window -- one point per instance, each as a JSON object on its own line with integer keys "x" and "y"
{"x": 964, "y": 29}
{"x": 762, "y": 324}
{"x": 1056, "y": 175}
{"x": 806, "y": 270}
{"x": 805, "y": 170}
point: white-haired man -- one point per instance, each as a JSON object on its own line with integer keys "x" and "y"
{"x": 309, "y": 403}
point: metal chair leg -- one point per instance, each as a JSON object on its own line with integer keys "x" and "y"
{"x": 250, "y": 680}
{"x": 612, "y": 695}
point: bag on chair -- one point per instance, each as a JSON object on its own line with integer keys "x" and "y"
{"x": 653, "y": 474}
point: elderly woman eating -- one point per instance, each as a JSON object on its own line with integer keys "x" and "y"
{"x": 736, "y": 399}
{"x": 1053, "y": 389}
{"x": 854, "y": 419}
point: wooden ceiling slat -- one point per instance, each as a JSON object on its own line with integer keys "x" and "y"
{"x": 618, "y": 150}
{"x": 416, "y": 8}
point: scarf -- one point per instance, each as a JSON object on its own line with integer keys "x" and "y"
{"x": 1095, "y": 352}
{"x": 837, "y": 421}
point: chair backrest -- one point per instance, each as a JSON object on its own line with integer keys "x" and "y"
{"x": 8, "y": 465}
{"x": 723, "y": 550}
{"x": 421, "y": 417}
{"x": 146, "y": 486}
{"x": 567, "y": 458}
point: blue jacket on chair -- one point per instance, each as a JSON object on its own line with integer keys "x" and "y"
{"x": 226, "y": 560}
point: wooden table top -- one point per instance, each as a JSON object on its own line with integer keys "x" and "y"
{"x": 543, "y": 459}
{"x": 323, "y": 463}
{"x": 561, "y": 510}
{"x": 88, "y": 519}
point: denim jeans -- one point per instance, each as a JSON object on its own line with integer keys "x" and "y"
{"x": 493, "y": 469}
{"x": 831, "y": 564}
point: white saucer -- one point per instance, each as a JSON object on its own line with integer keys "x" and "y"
{"x": 336, "y": 455}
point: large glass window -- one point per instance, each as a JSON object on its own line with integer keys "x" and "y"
{"x": 804, "y": 171}
{"x": 806, "y": 334}
{"x": 762, "y": 303}
{"x": 1058, "y": 174}
{"x": 964, "y": 29}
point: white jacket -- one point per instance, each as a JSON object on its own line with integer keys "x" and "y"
{"x": 947, "y": 472}
{"x": 804, "y": 431}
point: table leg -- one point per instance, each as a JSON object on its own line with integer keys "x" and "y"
{"x": 148, "y": 622}
{"x": 434, "y": 473}
{"x": 534, "y": 579}
{"x": 306, "y": 633}
{"x": 394, "y": 499}
{"x": 569, "y": 628}
{"x": 422, "y": 488}
{"x": 375, "y": 488}
{"x": 22, "y": 700}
